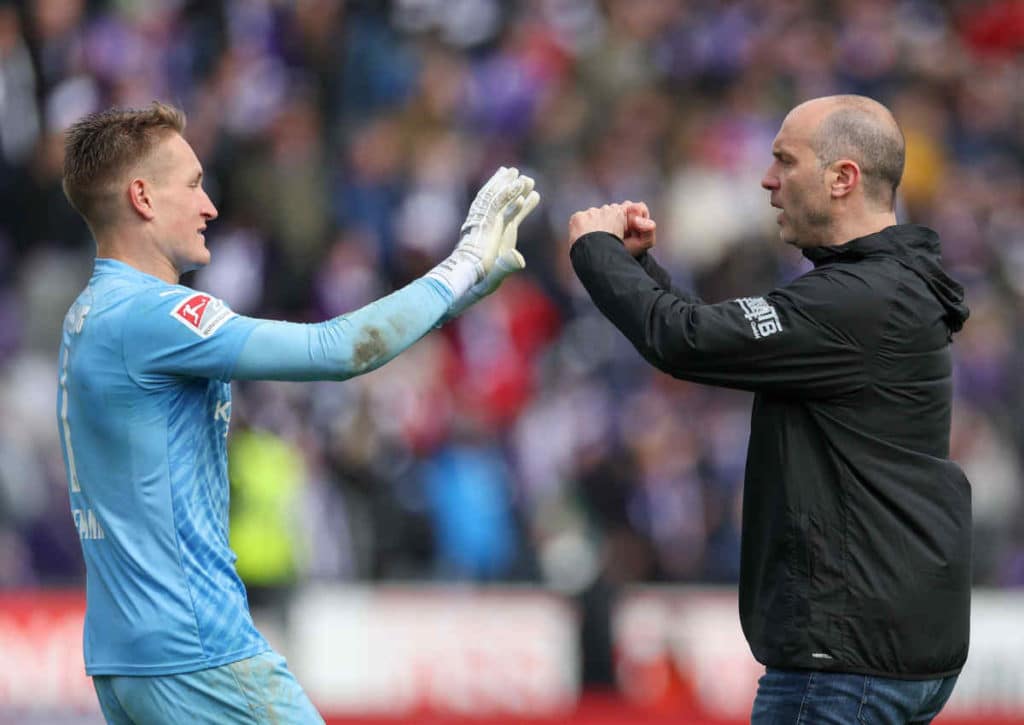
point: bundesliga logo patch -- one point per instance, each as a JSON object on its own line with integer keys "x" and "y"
{"x": 202, "y": 314}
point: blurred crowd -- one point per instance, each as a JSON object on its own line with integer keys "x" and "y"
{"x": 526, "y": 441}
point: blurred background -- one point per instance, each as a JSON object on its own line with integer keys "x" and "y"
{"x": 521, "y": 464}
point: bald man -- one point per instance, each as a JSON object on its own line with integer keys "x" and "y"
{"x": 855, "y": 566}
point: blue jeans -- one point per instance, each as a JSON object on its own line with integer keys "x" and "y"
{"x": 255, "y": 691}
{"x": 796, "y": 697}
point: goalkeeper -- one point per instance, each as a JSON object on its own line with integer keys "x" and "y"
{"x": 144, "y": 405}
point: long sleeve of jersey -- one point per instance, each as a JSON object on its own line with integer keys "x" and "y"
{"x": 179, "y": 332}
{"x": 795, "y": 340}
{"x": 345, "y": 346}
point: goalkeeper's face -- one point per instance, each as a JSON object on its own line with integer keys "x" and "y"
{"x": 182, "y": 208}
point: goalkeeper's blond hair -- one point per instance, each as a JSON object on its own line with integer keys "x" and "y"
{"x": 101, "y": 148}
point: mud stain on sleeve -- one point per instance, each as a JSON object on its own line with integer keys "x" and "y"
{"x": 369, "y": 348}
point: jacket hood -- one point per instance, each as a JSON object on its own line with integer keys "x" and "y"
{"x": 917, "y": 248}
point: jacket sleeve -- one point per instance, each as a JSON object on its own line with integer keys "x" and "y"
{"x": 806, "y": 339}
{"x": 658, "y": 273}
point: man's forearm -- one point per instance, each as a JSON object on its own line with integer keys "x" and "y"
{"x": 345, "y": 346}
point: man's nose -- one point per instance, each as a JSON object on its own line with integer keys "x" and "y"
{"x": 211, "y": 211}
{"x": 769, "y": 181}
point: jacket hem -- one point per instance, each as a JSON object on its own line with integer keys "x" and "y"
{"x": 873, "y": 673}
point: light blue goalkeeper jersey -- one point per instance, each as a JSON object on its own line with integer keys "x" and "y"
{"x": 143, "y": 409}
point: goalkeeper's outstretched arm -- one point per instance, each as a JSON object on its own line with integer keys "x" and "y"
{"x": 363, "y": 340}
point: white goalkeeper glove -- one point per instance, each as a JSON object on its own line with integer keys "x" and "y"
{"x": 481, "y": 235}
{"x": 509, "y": 259}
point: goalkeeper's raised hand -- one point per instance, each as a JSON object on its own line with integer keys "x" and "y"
{"x": 496, "y": 204}
{"x": 509, "y": 259}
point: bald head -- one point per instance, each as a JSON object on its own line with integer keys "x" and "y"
{"x": 838, "y": 161}
{"x": 862, "y": 130}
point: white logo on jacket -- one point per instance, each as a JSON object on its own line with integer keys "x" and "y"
{"x": 764, "y": 320}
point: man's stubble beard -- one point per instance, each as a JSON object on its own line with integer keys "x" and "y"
{"x": 814, "y": 229}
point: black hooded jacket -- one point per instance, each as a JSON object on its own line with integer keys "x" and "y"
{"x": 856, "y": 543}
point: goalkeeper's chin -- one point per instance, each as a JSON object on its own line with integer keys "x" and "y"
{"x": 196, "y": 260}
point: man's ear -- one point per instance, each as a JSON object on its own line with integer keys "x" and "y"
{"x": 844, "y": 177}
{"x": 140, "y": 198}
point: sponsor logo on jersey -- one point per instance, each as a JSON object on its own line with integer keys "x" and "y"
{"x": 222, "y": 411}
{"x": 764, "y": 320}
{"x": 202, "y": 314}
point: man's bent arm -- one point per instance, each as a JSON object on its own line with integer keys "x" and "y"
{"x": 806, "y": 339}
{"x": 656, "y": 272}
